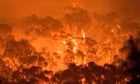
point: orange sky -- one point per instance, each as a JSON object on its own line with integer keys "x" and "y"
{"x": 19, "y": 8}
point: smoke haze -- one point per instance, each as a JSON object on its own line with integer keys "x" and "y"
{"x": 20, "y": 8}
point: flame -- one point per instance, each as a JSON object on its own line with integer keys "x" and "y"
{"x": 77, "y": 4}
{"x": 75, "y": 45}
{"x": 83, "y": 35}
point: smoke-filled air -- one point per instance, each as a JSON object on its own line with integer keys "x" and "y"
{"x": 69, "y": 42}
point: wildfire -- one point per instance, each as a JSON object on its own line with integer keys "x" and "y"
{"x": 67, "y": 51}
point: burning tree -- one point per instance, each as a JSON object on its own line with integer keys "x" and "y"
{"x": 77, "y": 20}
{"x": 41, "y": 26}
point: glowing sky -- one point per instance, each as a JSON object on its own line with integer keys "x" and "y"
{"x": 19, "y": 8}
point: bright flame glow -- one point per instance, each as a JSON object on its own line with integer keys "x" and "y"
{"x": 83, "y": 35}
{"x": 75, "y": 45}
{"x": 77, "y": 4}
